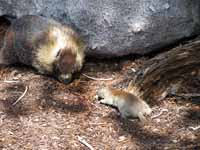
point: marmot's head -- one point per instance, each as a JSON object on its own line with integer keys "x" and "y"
{"x": 69, "y": 59}
{"x": 62, "y": 54}
{"x": 67, "y": 63}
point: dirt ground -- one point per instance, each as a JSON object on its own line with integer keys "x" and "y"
{"x": 52, "y": 115}
{"x": 55, "y": 116}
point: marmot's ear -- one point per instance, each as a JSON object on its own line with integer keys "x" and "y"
{"x": 54, "y": 33}
{"x": 45, "y": 37}
{"x": 42, "y": 37}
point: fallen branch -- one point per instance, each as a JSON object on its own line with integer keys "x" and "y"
{"x": 81, "y": 140}
{"x": 134, "y": 70}
{"x": 189, "y": 95}
{"x": 23, "y": 94}
{"x": 98, "y": 124}
{"x": 195, "y": 128}
{"x": 97, "y": 79}
{"x": 161, "y": 112}
{"x": 10, "y": 81}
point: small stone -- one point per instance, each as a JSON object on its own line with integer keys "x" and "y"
{"x": 174, "y": 141}
{"x": 121, "y": 138}
{"x": 166, "y": 6}
{"x": 36, "y": 120}
{"x": 157, "y": 120}
{"x": 155, "y": 130}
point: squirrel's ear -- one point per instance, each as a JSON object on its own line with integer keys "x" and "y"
{"x": 130, "y": 86}
{"x": 103, "y": 85}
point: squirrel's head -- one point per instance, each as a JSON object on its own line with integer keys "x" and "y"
{"x": 103, "y": 91}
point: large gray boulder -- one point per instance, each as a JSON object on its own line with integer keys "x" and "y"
{"x": 118, "y": 27}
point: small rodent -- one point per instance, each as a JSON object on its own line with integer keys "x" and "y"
{"x": 47, "y": 45}
{"x": 128, "y": 104}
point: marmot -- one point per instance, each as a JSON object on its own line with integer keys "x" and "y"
{"x": 129, "y": 105}
{"x": 47, "y": 45}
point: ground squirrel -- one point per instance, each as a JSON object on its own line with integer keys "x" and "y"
{"x": 129, "y": 105}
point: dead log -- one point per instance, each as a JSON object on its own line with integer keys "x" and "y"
{"x": 154, "y": 77}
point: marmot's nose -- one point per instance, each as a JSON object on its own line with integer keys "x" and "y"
{"x": 65, "y": 78}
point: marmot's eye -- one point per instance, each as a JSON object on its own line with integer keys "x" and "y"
{"x": 58, "y": 53}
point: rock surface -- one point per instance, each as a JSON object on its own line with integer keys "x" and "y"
{"x": 114, "y": 27}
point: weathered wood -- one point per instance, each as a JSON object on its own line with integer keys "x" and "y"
{"x": 156, "y": 74}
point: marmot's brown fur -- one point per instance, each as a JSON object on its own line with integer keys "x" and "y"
{"x": 48, "y": 46}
